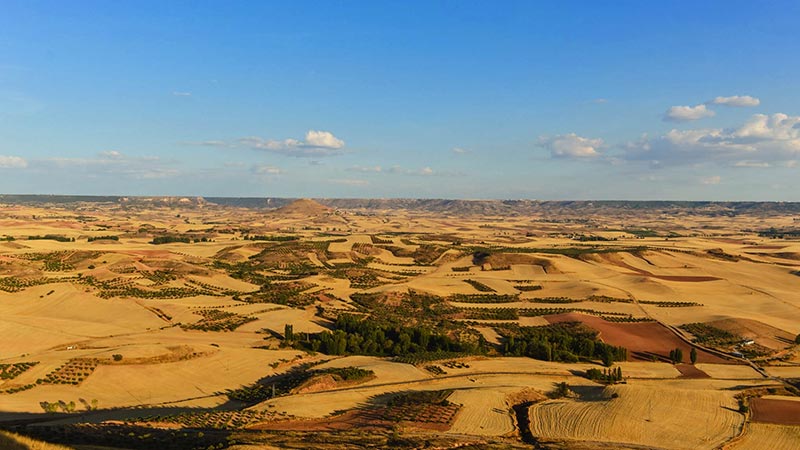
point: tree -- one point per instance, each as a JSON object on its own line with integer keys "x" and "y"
{"x": 693, "y": 355}
{"x": 288, "y": 332}
{"x": 797, "y": 339}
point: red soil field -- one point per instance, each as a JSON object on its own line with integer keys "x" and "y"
{"x": 690, "y": 372}
{"x": 783, "y": 412}
{"x": 643, "y": 340}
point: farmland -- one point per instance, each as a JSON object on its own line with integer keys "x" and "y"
{"x": 126, "y": 324}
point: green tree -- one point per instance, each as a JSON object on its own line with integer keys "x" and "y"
{"x": 288, "y": 332}
{"x": 797, "y": 339}
{"x": 693, "y": 355}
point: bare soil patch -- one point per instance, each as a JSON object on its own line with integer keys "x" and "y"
{"x": 645, "y": 341}
{"x": 783, "y": 412}
{"x": 691, "y": 372}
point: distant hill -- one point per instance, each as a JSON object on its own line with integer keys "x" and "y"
{"x": 499, "y": 208}
{"x": 304, "y": 207}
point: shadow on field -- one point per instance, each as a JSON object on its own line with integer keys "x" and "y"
{"x": 6, "y": 443}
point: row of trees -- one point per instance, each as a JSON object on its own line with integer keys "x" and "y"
{"x": 158, "y": 240}
{"x": 676, "y": 355}
{"x": 355, "y": 335}
{"x": 565, "y": 342}
{"x": 607, "y": 375}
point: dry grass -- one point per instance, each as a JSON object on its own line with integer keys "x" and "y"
{"x": 13, "y": 441}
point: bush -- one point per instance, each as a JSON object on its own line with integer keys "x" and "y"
{"x": 117, "y": 357}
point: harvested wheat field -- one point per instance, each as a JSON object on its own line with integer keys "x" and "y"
{"x": 641, "y": 415}
{"x": 320, "y": 318}
{"x": 768, "y": 436}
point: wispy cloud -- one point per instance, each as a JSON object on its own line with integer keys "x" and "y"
{"x": 181, "y": 94}
{"x": 712, "y": 180}
{"x": 111, "y": 163}
{"x": 424, "y": 172}
{"x": 350, "y": 182}
{"x": 365, "y": 169}
{"x": 314, "y": 144}
{"x": 460, "y": 151}
{"x": 12, "y": 162}
{"x": 741, "y": 101}
{"x": 210, "y": 143}
{"x": 267, "y": 170}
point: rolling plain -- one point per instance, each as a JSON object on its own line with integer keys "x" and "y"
{"x": 190, "y": 323}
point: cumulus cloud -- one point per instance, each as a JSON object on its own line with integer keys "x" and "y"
{"x": 687, "y": 113}
{"x": 571, "y": 146}
{"x": 761, "y": 140}
{"x": 324, "y": 139}
{"x": 741, "y": 101}
{"x": 12, "y": 162}
{"x": 316, "y": 143}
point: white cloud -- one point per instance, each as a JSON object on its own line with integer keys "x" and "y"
{"x": 571, "y": 146}
{"x": 316, "y": 143}
{"x": 12, "y": 162}
{"x": 737, "y": 100}
{"x": 350, "y": 182}
{"x": 113, "y": 154}
{"x": 366, "y": 169}
{"x": 460, "y": 151}
{"x": 711, "y": 180}
{"x": 751, "y": 164}
{"x": 323, "y": 139}
{"x": 600, "y": 101}
{"x": 210, "y": 143}
{"x": 112, "y": 163}
{"x": 425, "y": 171}
{"x": 687, "y": 113}
{"x": 181, "y": 94}
{"x": 762, "y": 139}
{"x": 267, "y": 170}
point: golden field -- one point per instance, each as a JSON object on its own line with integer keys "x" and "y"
{"x": 146, "y": 315}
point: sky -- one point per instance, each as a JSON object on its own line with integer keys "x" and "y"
{"x": 431, "y": 99}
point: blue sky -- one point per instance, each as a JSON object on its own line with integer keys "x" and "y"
{"x": 451, "y": 99}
